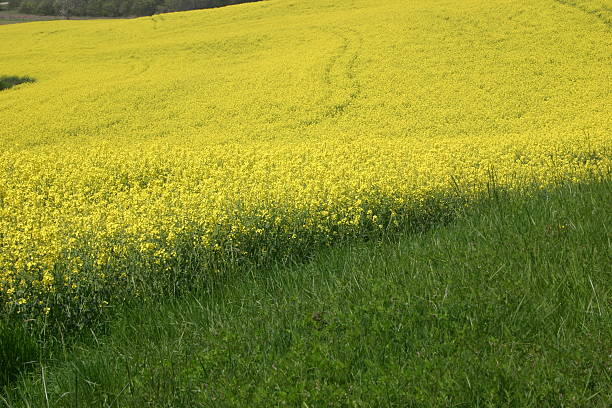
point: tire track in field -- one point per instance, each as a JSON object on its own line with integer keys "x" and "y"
{"x": 604, "y": 15}
{"x": 339, "y": 73}
{"x": 138, "y": 66}
{"x": 154, "y": 21}
{"x": 143, "y": 64}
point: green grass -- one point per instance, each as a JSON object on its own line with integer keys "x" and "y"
{"x": 508, "y": 305}
{"x": 18, "y": 349}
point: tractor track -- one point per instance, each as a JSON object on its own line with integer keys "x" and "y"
{"x": 602, "y": 15}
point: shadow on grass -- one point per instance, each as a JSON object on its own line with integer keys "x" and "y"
{"x": 7, "y": 82}
{"x": 18, "y": 349}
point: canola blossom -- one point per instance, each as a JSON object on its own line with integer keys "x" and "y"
{"x": 148, "y": 145}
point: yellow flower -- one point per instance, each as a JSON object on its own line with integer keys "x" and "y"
{"x": 145, "y": 161}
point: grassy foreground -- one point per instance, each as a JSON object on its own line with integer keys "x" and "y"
{"x": 508, "y": 305}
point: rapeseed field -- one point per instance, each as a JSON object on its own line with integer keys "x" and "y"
{"x": 149, "y": 150}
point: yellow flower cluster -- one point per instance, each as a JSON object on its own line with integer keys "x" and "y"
{"x": 256, "y": 130}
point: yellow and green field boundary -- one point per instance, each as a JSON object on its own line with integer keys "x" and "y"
{"x": 146, "y": 159}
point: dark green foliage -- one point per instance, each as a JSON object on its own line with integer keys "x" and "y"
{"x": 115, "y": 8}
{"x": 506, "y": 306}
{"x": 18, "y": 351}
{"x": 7, "y": 82}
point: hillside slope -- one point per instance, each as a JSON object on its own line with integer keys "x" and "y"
{"x": 150, "y": 149}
